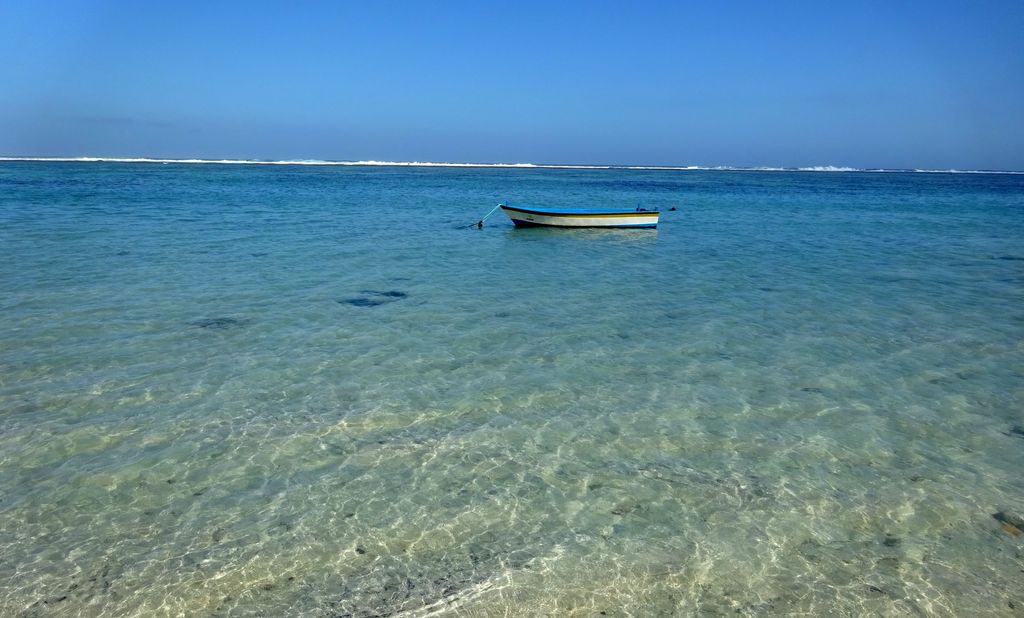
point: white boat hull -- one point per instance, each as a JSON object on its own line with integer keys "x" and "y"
{"x": 528, "y": 217}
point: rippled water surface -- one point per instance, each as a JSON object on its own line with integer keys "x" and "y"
{"x": 241, "y": 390}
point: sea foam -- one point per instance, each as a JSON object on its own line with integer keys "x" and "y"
{"x": 375, "y": 163}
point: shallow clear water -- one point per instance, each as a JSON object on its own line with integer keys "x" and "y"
{"x": 240, "y": 390}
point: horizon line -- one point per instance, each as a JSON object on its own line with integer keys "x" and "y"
{"x": 375, "y": 163}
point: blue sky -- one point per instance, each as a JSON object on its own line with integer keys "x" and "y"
{"x": 864, "y": 84}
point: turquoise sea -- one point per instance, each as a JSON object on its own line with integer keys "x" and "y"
{"x": 241, "y": 390}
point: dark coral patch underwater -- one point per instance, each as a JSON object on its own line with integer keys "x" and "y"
{"x": 374, "y": 298}
{"x": 217, "y": 323}
{"x": 388, "y": 294}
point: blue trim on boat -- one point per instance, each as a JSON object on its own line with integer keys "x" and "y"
{"x": 521, "y": 223}
{"x": 579, "y": 212}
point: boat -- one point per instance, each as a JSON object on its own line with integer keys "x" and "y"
{"x": 523, "y": 216}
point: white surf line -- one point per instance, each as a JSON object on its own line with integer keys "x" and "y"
{"x": 373, "y": 163}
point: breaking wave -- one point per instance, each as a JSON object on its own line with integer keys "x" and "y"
{"x": 372, "y": 163}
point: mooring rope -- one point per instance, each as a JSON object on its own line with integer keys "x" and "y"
{"x": 480, "y": 224}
